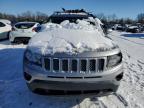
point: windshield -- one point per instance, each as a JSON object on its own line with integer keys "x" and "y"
{"x": 24, "y": 25}
{"x": 72, "y": 18}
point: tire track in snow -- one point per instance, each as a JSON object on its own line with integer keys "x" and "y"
{"x": 140, "y": 62}
{"x": 133, "y": 96}
{"x": 122, "y": 37}
{"x": 131, "y": 88}
{"x": 121, "y": 98}
{"x": 136, "y": 72}
{"x": 114, "y": 101}
{"x": 90, "y": 103}
{"x": 97, "y": 102}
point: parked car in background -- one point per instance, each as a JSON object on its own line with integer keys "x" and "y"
{"x": 120, "y": 28}
{"x": 133, "y": 29}
{"x": 141, "y": 28}
{"x": 5, "y": 28}
{"x": 23, "y": 31}
{"x": 72, "y": 56}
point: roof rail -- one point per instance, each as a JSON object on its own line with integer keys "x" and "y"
{"x": 74, "y": 11}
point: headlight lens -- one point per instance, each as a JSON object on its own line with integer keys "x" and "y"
{"x": 114, "y": 60}
{"x": 33, "y": 57}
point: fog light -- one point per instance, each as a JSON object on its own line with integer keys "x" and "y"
{"x": 27, "y": 76}
{"x": 119, "y": 77}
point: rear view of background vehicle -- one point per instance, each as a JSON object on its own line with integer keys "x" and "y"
{"x": 133, "y": 29}
{"x": 23, "y": 31}
{"x": 5, "y": 28}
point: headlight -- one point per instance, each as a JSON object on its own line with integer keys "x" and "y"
{"x": 114, "y": 60}
{"x": 33, "y": 57}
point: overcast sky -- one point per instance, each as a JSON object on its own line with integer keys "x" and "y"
{"x": 122, "y": 8}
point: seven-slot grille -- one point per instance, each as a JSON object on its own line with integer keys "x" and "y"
{"x": 69, "y": 65}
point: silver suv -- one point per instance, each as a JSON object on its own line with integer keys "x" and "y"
{"x": 86, "y": 71}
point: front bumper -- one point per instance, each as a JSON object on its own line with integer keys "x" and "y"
{"x": 105, "y": 82}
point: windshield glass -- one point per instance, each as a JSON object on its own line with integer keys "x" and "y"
{"x": 71, "y": 17}
{"x": 24, "y": 25}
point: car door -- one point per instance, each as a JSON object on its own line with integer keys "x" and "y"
{"x": 3, "y": 31}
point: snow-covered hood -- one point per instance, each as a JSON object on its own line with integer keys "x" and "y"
{"x": 69, "y": 38}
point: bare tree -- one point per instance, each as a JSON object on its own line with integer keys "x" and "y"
{"x": 140, "y": 18}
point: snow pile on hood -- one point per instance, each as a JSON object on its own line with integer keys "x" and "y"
{"x": 70, "y": 38}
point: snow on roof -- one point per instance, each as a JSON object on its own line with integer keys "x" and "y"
{"x": 75, "y": 12}
{"x": 64, "y": 13}
{"x": 69, "y": 38}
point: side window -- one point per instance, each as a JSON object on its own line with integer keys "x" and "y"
{"x": 2, "y": 24}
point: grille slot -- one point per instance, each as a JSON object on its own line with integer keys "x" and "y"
{"x": 74, "y": 65}
{"x": 47, "y": 64}
{"x": 84, "y": 65}
{"x": 65, "y": 65}
{"x": 100, "y": 64}
{"x": 56, "y": 64}
{"x": 92, "y": 65}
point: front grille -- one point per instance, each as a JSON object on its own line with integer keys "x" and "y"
{"x": 70, "y": 65}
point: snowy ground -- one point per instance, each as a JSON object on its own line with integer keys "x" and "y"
{"x": 14, "y": 93}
